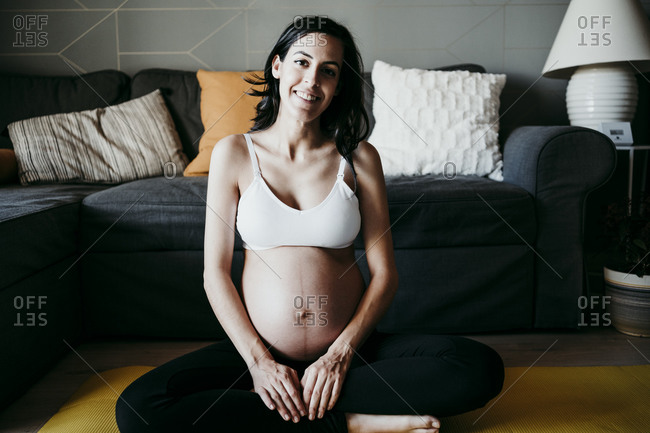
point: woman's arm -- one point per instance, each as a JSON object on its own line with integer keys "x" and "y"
{"x": 277, "y": 385}
{"x": 323, "y": 380}
{"x": 221, "y": 209}
{"x": 378, "y": 244}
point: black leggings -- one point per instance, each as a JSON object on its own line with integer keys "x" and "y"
{"x": 209, "y": 390}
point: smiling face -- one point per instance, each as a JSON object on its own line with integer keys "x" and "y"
{"x": 309, "y": 75}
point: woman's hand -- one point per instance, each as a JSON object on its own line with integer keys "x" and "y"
{"x": 279, "y": 388}
{"x": 323, "y": 380}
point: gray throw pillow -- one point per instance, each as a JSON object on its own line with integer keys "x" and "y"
{"x": 128, "y": 141}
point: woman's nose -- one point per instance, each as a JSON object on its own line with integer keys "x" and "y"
{"x": 311, "y": 77}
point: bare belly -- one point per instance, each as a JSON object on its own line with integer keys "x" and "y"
{"x": 299, "y": 299}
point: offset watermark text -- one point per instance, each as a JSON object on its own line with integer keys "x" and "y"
{"x": 29, "y": 311}
{"x": 313, "y": 23}
{"x": 594, "y": 30}
{"x": 593, "y": 310}
{"x": 30, "y": 31}
{"x": 308, "y": 310}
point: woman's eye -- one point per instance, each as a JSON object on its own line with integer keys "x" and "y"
{"x": 329, "y": 71}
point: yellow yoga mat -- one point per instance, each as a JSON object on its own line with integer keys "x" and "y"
{"x": 92, "y": 407}
{"x": 564, "y": 400}
{"x": 533, "y": 400}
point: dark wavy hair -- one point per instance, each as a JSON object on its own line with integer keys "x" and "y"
{"x": 345, "y": 120}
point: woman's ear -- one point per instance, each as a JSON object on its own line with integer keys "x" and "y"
{"x": 275, "y": 67}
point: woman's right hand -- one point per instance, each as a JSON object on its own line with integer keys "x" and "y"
{"x": 279, "y": 387}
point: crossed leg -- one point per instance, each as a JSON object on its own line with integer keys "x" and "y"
{"x": 395, "y": 384}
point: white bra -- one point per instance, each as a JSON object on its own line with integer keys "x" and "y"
{"x": 264, "y": 221}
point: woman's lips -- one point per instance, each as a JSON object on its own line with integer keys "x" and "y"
{"x": 306, "y": 96}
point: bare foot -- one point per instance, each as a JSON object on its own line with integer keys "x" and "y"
{"x": 365, "y": 423}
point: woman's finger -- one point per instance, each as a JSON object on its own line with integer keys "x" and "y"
{"x": 325, "y": 398}
{"x": 282, "y": 387}
{"x": 295, "y": 394}
{"x": 279, "y": 404}
{"x": 264, "y": 395}
{"x": 308, "y": 382}
{"x": 289, "y": 395}
{"x": 336, "y": 391}
{"x": 314, "y": 400}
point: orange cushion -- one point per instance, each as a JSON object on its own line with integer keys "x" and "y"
{"x": 225, "y": 109}
{"x": 8, "y": 166}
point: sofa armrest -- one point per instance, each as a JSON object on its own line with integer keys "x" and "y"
{"x": 558, "y": 166}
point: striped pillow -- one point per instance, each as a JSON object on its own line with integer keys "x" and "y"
{"x": 128, "y": 141}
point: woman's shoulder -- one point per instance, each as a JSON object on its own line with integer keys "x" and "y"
{"x": 230, "y": 151}
{"x": 366, "y": 158}
{"x": 231, "y": 146}
{"x": 365, "y": 149}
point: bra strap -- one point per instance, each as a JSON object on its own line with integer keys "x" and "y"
{"x": 251, "y": 151}
{"x": 341, "y": 172}
{"x": 341, "y": 167}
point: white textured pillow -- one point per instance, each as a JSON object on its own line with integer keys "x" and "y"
{"x": 128, "y": 141}
{"x": 436, "y": 122}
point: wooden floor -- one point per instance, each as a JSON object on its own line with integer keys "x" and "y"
{"x": 586, "y": 347}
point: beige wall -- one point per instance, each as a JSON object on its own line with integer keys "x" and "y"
{"x": 511, "y": 36}
{"x": 63, "y": 37}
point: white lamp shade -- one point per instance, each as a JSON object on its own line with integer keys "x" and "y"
{"x": 600, "y": 32}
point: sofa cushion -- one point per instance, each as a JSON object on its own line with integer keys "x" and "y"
{"x": 146, "y": 215}
{"x": 226, "y": 108}
{"x": 26, "y": 96}
{"x": 162, "y": 291}
{"x": 434, "y": 211}
{"x": 132, "y": 140}
{"x": 38, "y": 227}
{"x": 426, "y": 212}
{"x": 461, "y": 289}
{"x": 182, "y": 95}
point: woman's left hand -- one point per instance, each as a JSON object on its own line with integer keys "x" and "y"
{"x": 323, "y": 380}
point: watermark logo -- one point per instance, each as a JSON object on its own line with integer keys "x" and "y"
{"x": 29, "y": 311}
{"x": 449, "y": 171}
{"x": 308, "y": 310}
{"x": 30, "y": 31}
{"x": 593, "y": 310}
{"x": 169, "y": 170}
{"x": 312, "y": 23}
{"x": 594, "y": 30}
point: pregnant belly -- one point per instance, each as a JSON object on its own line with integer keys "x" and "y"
{"x": 299, "y": 299}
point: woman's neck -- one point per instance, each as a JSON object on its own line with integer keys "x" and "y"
{"x": 295, "y": 138}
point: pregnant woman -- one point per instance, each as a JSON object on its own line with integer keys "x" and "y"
{"x": 303, "y": 354}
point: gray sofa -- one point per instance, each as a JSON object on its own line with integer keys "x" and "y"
{"x": 89, "y": 261}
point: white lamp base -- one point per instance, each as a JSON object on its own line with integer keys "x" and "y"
{"x": 598, "y": 94}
